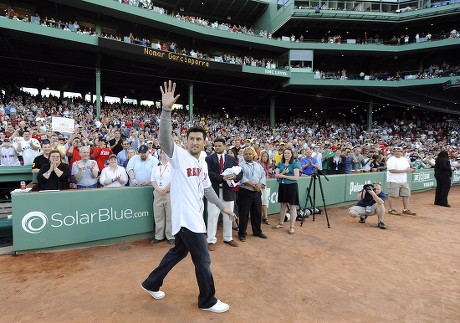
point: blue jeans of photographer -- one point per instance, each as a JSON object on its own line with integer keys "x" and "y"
{"x": 195, "y": 243}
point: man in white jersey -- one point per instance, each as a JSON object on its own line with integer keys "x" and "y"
{"x": 189, "y": 183}
{"x": 8, "y": 155}
{"x": 27, "y": 146}
{"x": 397, "y": 169}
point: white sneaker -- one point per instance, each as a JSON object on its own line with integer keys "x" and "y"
{"x": 219, "y": 307}
{"x": 157, "y": 295}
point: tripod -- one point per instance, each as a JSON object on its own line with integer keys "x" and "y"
{"x": 315, "y": 176}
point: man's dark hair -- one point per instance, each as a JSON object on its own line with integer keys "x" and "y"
{"x": 196, "y": 129}
{"x": 222, "y": 140}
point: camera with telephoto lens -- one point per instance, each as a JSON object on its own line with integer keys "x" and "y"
{"x": 302, "y": 213}
{"x": 368, "y": 187}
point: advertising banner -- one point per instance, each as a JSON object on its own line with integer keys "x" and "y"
{"x": 422, "y": 179}
{"x": 48, "y": 219}
{"x": 354, "y": 183}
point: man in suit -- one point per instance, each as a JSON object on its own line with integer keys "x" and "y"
{"x": 217, "y": 163}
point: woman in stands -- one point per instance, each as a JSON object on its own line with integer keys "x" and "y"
{"x": 113, "y": 175}
{"x": 55, "y": 175}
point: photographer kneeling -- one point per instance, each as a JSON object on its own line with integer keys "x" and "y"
{"x": 370, "y": 201}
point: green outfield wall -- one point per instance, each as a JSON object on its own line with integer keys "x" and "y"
{"x": 50, "y": 219}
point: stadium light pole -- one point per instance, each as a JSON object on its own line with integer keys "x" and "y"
{"x": 369, "y": 115}
{"x": 190, "y": 101}
{"x": 98, "y": 86}
{"x": 272, "y": 111}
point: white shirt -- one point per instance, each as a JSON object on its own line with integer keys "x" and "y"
{"x": 161, "y": 174}
{"x": 108, "y": 173}
{"x": 400, "y": 163}
{"x": 9, "y": 157}
{"x": 189, "y": 178}
{"x": 28, "y": 153}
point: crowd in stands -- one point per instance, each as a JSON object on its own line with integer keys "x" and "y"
{"x": 124, "y": 131}
{"x": 218, "y": 57}
{"x": 147, "y": 4}
{"x": 363, "y": 6}
{"x": 433, "y": 71}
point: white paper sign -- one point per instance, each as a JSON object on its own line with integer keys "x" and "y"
{"x": 60, "y": 124}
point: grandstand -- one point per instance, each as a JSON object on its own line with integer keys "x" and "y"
{"x": 332, "y": 55}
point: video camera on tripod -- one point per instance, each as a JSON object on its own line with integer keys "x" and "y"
{"x": 310, "y": 200}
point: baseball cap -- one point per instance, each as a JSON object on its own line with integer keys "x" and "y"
{"x": 143, "y": 149}
{"x": 397, "y": 149}
{"x": 282, "y": 143}
{"x": 112, "y": 156}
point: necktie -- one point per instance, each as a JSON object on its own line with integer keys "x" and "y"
{"x": 221, "y": 163}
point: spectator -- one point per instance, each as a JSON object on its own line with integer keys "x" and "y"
{"x": 249, "y": 196}
{"x": 85, "y": 171}
{"x": 116, "y": 142}
{"x": 337, "y": 163}
{"x": 397, "y": 169}
{"x": 268, "y": 170}
{"x": 28, "y": 147}
{"x": 288, "y": 172}
{"x": 123, "y": 154}
{"x": 73, "y": 152}
{"x": 217, "y": 163}
{"x": 308, "y": 163}
{"x": 8, "y": 154}
{"x": 443, "y": 174}
{"x": 140, "y": 166}
{"x": 328, "y": 156}
{"x": 130, "y": 154}
{"x": 101, "y": 153}
{"x": 55, "y": 175}
{"x": 43, "y": 158}
{"x": 161, "y": 182}
{"x": 113, "y": 175}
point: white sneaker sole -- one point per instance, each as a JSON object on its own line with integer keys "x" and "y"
{"x": 219, "y": 307}
{"x": 156, "y": 295}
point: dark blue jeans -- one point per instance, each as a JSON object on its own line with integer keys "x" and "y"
{"x": 195, "y": 243}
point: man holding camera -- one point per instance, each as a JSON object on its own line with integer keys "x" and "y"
{"x": 371, "y": 201}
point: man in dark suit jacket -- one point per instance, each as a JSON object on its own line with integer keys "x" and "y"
{"x": 217, "y": 163}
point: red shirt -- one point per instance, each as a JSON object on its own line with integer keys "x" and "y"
{"x": 75, "y": 156}
{"x": 38, "y": 137}
{"x": 101, "y": 155}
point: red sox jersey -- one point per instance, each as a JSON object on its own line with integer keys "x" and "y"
{"x": 189, "y": 178}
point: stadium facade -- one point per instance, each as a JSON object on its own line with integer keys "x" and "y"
{"x": 279, "y": 58}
